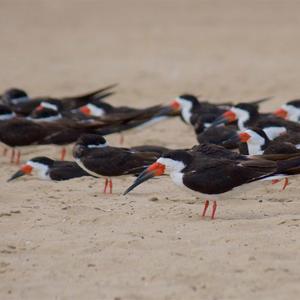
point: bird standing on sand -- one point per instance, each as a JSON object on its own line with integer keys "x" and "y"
{"x": 214, "y": 172}
{"x": 93, "y": 154}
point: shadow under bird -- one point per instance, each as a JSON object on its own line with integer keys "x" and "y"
{"x": 48, "y": 169}
{"x": 214, "y": 171}
{"x": 93, "y": 154}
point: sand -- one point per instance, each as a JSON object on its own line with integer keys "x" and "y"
{"x": 67, "y": 240}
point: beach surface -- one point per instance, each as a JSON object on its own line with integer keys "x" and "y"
{"x": 67, "y": 240}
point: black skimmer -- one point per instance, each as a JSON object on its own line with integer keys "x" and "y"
{"x": 191, "y": 109}
{"x": 204, "y": 113}
{"x": 48, "y": 169}
{"x": 254, "y": 141}
{"x": 219, "y": 135}
{"x": 214, "y": 175}
{"x": 247, "y": 115}
{"x": 128, "y": 118}
{"x": 290, "y": 111}
{"x": 18, "y": 132}
{"x": 93, "y": 154}
{"x": 21, "y": 104}
{"x": 14, "y": 95}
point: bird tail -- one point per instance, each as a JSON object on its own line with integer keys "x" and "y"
{"x": 95, "y": 94}
{"x": 289, "y": 166}
{"x": 262, "y": 100}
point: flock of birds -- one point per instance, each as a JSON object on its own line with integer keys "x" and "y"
{"x": 237, "y": 145}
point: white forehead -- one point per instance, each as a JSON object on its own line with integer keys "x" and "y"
{"x": 171, "y": 165}
{"x": 49, "y": 106}
{"x": 36, "y": 165}
{"x": 241, "y": 113}
{"x": 95, "y": 111}
{"x": 184, "y": 102}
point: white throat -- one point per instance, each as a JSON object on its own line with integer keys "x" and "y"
{"x": 242, "y": 115}
{"x": 41, "y": 170}
{"x": 96, "y": 111}
{"x": 254, "y": 149}
{"x": 186, "y": 109}
{"x": 255, "y": 142}
{"x": 173, "y": 168}
{"x": 293, "y": 112}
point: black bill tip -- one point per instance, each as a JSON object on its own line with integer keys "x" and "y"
{"x": 16, "y": 175}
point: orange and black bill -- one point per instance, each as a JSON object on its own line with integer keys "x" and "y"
{"x": 226, "y": 118}
{"x": 25, "y": 170}
{"x": 155, "y": 169}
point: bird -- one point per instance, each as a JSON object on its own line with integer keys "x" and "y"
{"x": 94, "y": 155}
{"x": 225, "y": 136}
{"x": 13, "y": 96}
{"x": 46, "y": 168}
{"x": 22, "y": 104}
{"x": 247, "y": 115}
{"x": 18, "y": 132}
{"x": 289, "y": 111}
{"x": 211, "y": 174}
{"x": 138, "y": 118}
{"x": 190, "y": 109}
{"x": 254, "y": 141}
{"x": 204, "y": 113}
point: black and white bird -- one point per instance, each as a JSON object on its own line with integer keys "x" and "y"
{"x": 289, "y": 111}
{"x": 191, "y": 109}
{"x": 93, "y": 154}
{"x": 254, "y": 141}
{"x": 19, "y": 101}
{"x": 46, "y": 168}
{"x": 213, "y": 174}
{"x": 247, "y": 115}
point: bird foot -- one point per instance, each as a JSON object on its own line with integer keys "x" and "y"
{"x": 214, "y": 208}
{"x": 286, "y": 183}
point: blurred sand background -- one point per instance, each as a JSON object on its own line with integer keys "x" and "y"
{"x": 69, "y": 241}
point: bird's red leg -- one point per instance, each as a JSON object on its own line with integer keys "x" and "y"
{"x": 18, "y": 157}
{"x": 206, "y": 204}
{"x": 4, "y": 151}
{"x": 105, "y": 185}
{"x": 121, "y": 139}
{"x": 12, "y": 157}
{"x": 214, "y": 208}
{"x": 63, "y": 153}
{"x": 110, "y": 186}
{"x": 274, "y": 181}
{"x": 286, "y": 183}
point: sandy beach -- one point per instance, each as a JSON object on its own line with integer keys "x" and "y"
{"x": 67, "y": 240}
